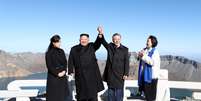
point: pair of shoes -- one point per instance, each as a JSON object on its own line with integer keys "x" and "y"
{"x": 138, "y": 94}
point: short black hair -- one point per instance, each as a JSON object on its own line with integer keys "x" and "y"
{"x": 116, "y": 34}
{"x": 84, "y": 34}
{"x": 154, "y": 40}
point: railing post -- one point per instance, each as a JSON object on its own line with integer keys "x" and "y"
{"x": 196, "y": 95}
{"x": 23, "y": 99}
{"x": 163, "y": 92}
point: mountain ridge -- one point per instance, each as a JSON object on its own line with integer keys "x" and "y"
{"x": 25, "y": 63}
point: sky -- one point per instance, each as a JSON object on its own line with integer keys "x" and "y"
{"x": 27, "y": 25}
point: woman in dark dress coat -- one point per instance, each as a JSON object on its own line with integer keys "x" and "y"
{"x": 57, "y": 85}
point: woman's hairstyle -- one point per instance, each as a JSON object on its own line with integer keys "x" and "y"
{"x": 154, "y": 40}
{"x": 55, "y": 38}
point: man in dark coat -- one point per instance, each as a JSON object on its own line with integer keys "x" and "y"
{"x": 117, "y": 66}
{"x": 83, "y": 62}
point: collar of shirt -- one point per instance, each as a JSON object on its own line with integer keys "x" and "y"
{"x": 121, "y": 46}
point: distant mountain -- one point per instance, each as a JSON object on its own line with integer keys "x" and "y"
{"x": 199, "y": 59}
{"x": 26, "y": 63}
{"x": 20, "y": 64}
{"x": 179, "y": 68}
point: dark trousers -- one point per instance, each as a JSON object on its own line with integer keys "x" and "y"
{"x": 115, "y": 94}
{"x": 149, "y": 90}
{"x": 91, "y": 99}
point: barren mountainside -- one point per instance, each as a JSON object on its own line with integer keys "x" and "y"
{"x": 23, "y": 64}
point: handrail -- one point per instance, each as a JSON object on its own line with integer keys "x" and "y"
{"x": 15, "y": 87}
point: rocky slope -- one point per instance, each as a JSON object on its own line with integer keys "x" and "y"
{"x": 20, "y": 64}
{"x": 23, "y": 64}
{"x": 179, "y": 68}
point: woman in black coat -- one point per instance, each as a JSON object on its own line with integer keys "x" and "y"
{"x": 57, "y": 85}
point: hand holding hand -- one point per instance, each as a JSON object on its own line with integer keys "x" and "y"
{"x": 100, "y": 31}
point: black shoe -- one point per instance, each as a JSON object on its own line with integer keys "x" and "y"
{"x": 138, "y": 94}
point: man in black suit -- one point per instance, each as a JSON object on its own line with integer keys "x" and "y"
{"x": 83, "y": 62}
{"x": 117, "y": 66}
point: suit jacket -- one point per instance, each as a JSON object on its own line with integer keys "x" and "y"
{"x": 83, "y": 62}
{"x": 117, "y": 65}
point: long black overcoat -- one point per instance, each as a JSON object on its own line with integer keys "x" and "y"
{"x": 82, "y": 61}
{"x": 57, "y": 87}
{"x": 117, "y": 65}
